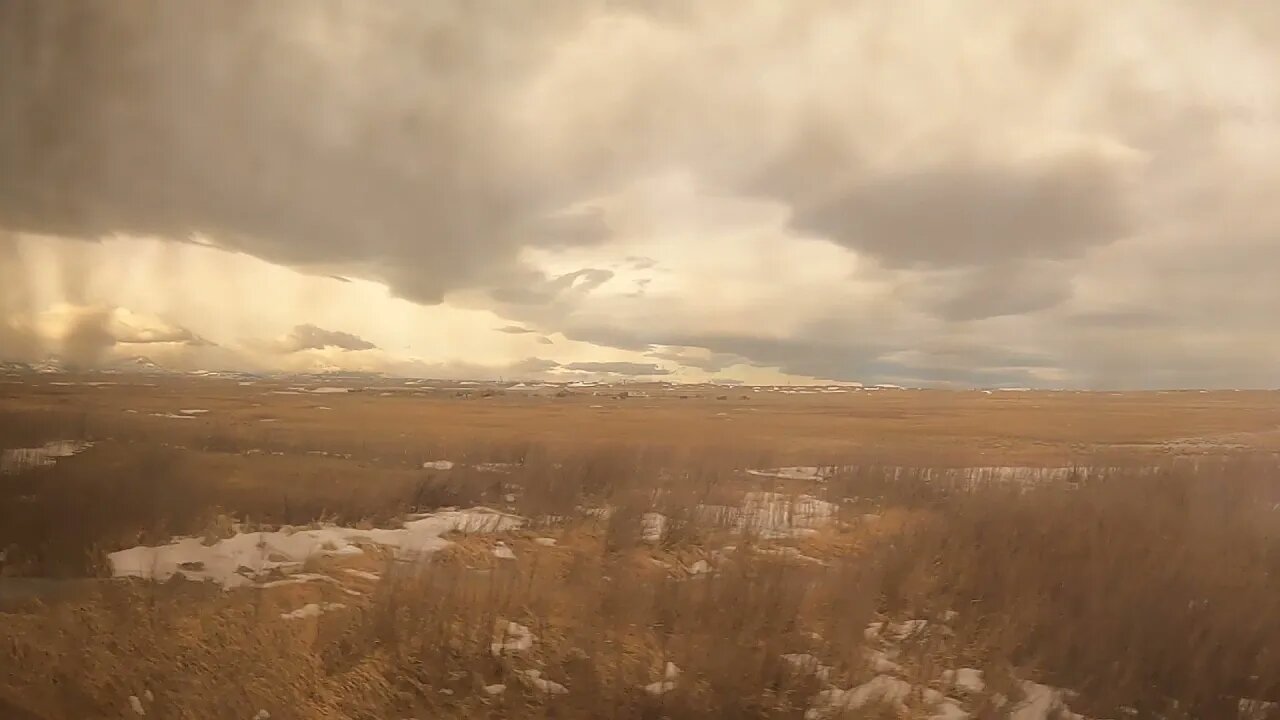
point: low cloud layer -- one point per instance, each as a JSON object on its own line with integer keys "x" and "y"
{"x": 310, "y": 337}
{"x": 619, "y": 368}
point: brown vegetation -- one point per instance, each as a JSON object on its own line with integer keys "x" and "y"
{"x": 1152, "y": 590}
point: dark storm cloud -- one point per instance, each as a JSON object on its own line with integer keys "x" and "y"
{"x": 310, "y": 337}
{"x": 801, "y": 355}
{"x": 380, "y": 136}
{"x": 840, "y": 350}
{"x": 710, "y": 362}
{"x": 618, "y": 368}
{"x": 951, "y": 376}
{"x": 306, "y": 134}
{"x": 965, "y": 214}
{"x": 996, "y": 290}
{"x": 971, "y": 352}
{"x": 824, "y": 351}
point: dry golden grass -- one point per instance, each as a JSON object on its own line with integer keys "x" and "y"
{"x": 1154, "y": 590}
{"x": 902, "y": 427}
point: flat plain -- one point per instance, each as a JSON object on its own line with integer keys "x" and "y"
{"x": 360, "y": 547}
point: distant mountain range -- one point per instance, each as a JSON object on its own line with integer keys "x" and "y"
{"x": 55, "y": 365}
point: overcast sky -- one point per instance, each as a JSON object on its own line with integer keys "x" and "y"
{"x": 947, "y": 193}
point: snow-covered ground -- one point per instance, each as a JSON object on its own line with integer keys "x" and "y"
{"x": 19, "y": 459}
{"x": 999, "y": 473}
{"x": 241, "y": 559}
{"x": 950, "y": 695}
{"x": 311, "y": 610}
{"x": 515, "y": 638}
{"x": 767, "y": 515}
{"x": 795, "y": 472}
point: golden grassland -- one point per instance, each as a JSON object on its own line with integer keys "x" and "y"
{"x": 1149, "y": 590}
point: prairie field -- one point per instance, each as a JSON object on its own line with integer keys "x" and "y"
{"x": 183, "y": 547}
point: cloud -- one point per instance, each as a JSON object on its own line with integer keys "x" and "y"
{"x": 531, "y": 368}
{"x": 618, "y": 368}
{"x": 804, "y": 355}
{"x": 364, "y": 150}
{"x": 310, "y": 337}
{"x": 536, "y": 290}
{"x": 87, "y": 336}
{"x": 533, "y": 365}
{"x": 966, "y": 214}
{"x": 18, "y": 343}
{"x": 362, "y": 146}
{"x": 712, "y": 362}
{"x": 640, "y": 263}
{"x": 996, "y": 290}
{"x": 515, "y": 330}
{"x": 145, "y": 336}
{"x": 1045, "y": 182}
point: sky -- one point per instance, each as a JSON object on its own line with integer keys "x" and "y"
{"x": 955, "y": 193}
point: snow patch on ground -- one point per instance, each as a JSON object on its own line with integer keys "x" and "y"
{"x": 809, "y": 665}
{"x": 967, "y": 679}
{"x": 534, "y": 678}
{"x": 879, "y": 689}
{"x": 667, "y": 683}
{"x": 774, "y": 516}
{"x": 767, "y": 515}
{"x": 879, "y": 661}
{"x": 496, "y": 467}
{"x": 796, "y": 472}
{"x": 949, "y": 710}
{"x": 515, "y": 638}
{"x": 894, "y": 631}
{"x": 19, "y": 459}
{"x": 1042, "y": 702}
{"x": 502, "y": 552}
{"x": 438, "y": 465}
{"x": 652, "y": 526}
{"x": 238, "y": 560}
{"x": 1256, "y": 709}
{"x": 311, "y": 610}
